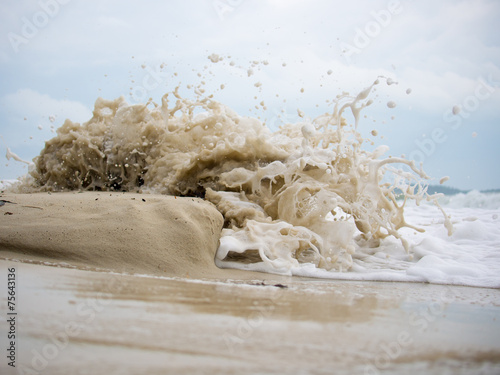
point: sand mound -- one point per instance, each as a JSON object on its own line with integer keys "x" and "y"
{"x": 133, "y": 233}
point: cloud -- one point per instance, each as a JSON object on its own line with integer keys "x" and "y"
{"x": 30, "y": 103}
{"x": 28, "y": 118}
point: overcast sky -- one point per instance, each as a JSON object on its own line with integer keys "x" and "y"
{"x": 58, "y": 56}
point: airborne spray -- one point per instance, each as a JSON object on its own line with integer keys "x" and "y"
{"x": 300, "y": 196}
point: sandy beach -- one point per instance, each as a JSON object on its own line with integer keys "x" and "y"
{"x": 83, "y": 322}
{"x": 92, "y": 298}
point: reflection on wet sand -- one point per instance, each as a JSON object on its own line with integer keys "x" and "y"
{"x": 94, "y": 322}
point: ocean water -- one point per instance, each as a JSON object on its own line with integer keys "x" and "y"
{"x": 309, "y": 199}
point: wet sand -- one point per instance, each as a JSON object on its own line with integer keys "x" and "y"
{"x": 84, "y": 322}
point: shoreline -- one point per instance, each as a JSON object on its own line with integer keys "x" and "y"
{"x": 154, "y": 234}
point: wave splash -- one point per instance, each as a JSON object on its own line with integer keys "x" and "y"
{"x": 301, "y": 195}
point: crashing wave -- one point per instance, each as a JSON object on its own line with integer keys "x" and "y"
{"x": 298, "y": 195}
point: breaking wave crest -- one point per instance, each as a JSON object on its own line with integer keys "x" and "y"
{"x": 301, "y": 195}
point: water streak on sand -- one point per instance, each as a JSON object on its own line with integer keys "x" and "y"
{"x": 300, "y": 195}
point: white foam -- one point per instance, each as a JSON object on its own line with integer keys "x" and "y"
{"x": 472, "y": 199}
{"x": 470, "y": 256}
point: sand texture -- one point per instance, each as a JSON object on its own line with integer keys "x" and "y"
{"x": 132, "y": 233}
{"x": 80, "y": 322}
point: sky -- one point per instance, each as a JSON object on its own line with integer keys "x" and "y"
{"x": 58, "y": 56}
